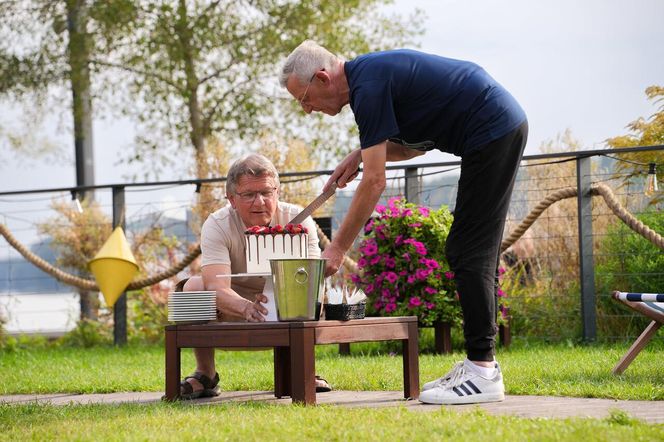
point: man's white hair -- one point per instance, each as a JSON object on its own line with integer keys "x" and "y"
{"x": 305, "y": 60}
{"x": 253, "y": 164}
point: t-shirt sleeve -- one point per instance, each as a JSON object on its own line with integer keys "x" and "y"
{"x": 215, "y": 244}
{"x": 373, "y": 107}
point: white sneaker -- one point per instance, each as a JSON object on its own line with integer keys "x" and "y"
{"x": 444, "y": 379}
{"x": 465, "y": 386}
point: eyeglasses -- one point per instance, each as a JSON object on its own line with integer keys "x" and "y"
{"x": 250, "y": 197}
{"x": 304, "y": 95}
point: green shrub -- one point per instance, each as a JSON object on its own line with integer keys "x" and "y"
{"x": 630, "y": 263}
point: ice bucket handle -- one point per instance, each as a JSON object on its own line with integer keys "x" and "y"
{"x": 301, "y": 275}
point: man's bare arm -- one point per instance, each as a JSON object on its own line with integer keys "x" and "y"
{"x": 228, "y": 300}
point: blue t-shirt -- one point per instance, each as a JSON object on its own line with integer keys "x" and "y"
{"x": 425, "y": 101}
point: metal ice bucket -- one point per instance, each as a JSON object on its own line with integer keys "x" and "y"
{"x": 298, "y": 285}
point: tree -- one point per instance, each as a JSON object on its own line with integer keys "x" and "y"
{"x": 644, "y": 132}
{"x": 198, "y": 69}
{"x": 49, "y": 43}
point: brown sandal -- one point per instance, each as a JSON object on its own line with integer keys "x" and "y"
{"x": 210, "y": 386}
{"x": 322, "y": 386}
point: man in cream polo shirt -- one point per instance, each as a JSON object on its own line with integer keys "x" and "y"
{"x": 252, "y": 189}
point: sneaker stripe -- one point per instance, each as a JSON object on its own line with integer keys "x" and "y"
{"x": 471, "y": 385}
{"x": 467, "y": 391}
{"x": 456, "y": 390}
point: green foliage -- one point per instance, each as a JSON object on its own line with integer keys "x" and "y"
{"x": 644, "y": 132}
{"x": 87, "y": 334}
{"x": 208, "y": 68}
{"x": 630, "y": 263}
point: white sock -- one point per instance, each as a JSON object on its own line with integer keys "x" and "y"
{"x": 485, "y": 372}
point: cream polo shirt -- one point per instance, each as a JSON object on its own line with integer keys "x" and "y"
{"x": 222, "y": 242}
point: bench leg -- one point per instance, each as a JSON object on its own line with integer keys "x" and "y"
{"x": 303, "y": 366}
{"x": 172, "y": 366}
{"x": 636, "y": 347}
{"x": 411, "y": 368}
{"x": 282, "y": 372}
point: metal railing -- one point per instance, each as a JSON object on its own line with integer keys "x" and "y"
{"x": 417, "y": 182}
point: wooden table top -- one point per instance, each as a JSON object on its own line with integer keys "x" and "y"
{"x": 290, "y": 324}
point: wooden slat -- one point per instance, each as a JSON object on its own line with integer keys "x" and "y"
{"x": 233, "y": 338}
{"x": 361, "y": 333}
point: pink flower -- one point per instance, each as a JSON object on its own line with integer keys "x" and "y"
{"x": 415, "y": 225}
{"x": 398, "y": 240}
{"x": 355, "y": 278}
{"x": 500, "y": 293}
{"x": 414, "y": 302}
{"x": 380, "y": 209}
{"x": 406, "y": 256}
{"x": 390, "y": 262}
{"x": 378, "y": 305}
{"x": 449, "y": 275}
{"x": 385, "y": 293}
{"x": 422, "y": 274}
{"x": 362, "y": 262}
{"x": 430, "y": 290}
{"x": 392, "y": 202}
{"x": 369, "y": 226}
{"x": 370, "y": 288}
{"x": 370, "y": 248}
{"x": 430, "y": 305}
{"x": 389, "y": 308}
{"x": 375, "y": 260}
{"x": 424, "y": 211}
{"x": 391, "y": 277}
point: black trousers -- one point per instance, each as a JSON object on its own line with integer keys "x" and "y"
{"x": 473, "y": 244}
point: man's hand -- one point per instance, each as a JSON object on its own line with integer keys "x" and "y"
{"x": 334, "y": 257}
{"x": 346, "y": 171}
{"x": 255, "y": 312}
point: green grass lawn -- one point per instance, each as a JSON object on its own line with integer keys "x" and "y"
{"x": 261, "y": 422}
{"x": 561, "y": 370}
{"x": 582, "y": 371}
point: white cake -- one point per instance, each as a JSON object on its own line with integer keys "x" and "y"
{"x": 261, "y": 248}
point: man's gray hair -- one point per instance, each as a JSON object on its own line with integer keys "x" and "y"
{"x": 305, "y": 60}
{"x": 255, "y": 165}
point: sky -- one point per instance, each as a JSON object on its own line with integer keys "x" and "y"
{"x": 577, "y": 65}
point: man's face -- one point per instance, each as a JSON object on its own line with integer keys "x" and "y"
{"x": 255, "y": 199}
{"x": 316, "y": 95}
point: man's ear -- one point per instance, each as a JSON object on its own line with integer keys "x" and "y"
{"x": 323, "y": 76}
{"x": 231, "y": 198}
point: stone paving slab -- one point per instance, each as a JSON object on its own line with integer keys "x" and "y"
{"x": 521, "y": 406}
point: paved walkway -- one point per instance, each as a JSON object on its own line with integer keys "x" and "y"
{"x": 522, "y": 406}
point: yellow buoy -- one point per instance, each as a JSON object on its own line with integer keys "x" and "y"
{"x": 114, "y": 266}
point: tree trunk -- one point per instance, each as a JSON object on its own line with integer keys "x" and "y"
{"x": 89, "y": 305}
{"x": 79, "y": 74}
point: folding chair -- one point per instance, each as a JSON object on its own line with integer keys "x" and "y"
{"x": 650, "y": 305}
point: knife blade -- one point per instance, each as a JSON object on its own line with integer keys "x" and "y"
{"x": 315, "y": 204}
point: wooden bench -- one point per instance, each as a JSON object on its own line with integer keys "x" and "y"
{"x": 293, "y": 343}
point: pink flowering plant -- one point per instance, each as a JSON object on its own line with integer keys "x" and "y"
{"x": 402, "y": 265}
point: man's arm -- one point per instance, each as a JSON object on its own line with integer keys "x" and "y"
{"x": 228, "y": 300}
{"x": 398, "y": 152}
{"x": 362, "y": 205}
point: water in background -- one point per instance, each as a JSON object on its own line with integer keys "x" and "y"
{"x": 39, "y": 313}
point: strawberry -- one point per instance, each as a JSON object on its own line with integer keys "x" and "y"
{"x": 263, "y": 230}
{"x": 277, "y": 229}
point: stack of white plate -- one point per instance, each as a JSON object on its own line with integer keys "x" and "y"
{"x": 192, "y": 306}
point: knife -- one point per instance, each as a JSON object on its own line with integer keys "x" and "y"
{"x": 315, "y": 204}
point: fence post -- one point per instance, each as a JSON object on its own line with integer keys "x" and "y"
{"x": 120, "y": 307}
{"x": 412, "y": 186}
{"x": 587, "y": 273}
